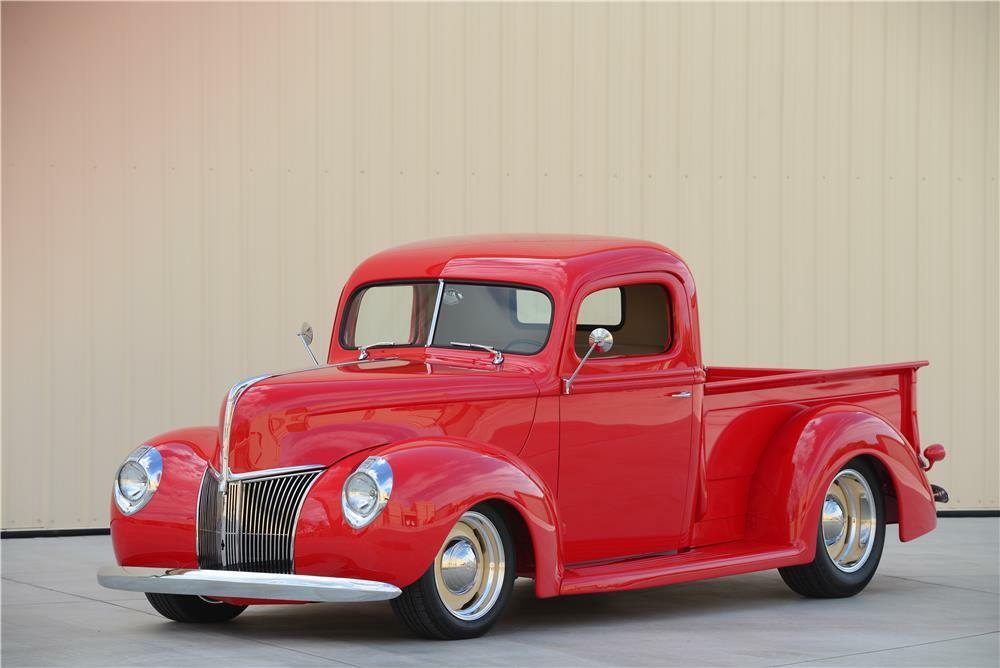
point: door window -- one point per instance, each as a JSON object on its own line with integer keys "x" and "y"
{"x": 638, "y": 315}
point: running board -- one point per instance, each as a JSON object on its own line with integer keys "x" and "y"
{"x": 699, "y": 564}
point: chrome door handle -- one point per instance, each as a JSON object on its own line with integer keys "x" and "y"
{"x": 680, "y": 395}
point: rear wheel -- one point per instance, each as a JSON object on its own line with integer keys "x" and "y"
{"x": 849, "y": 538}
{"x": 193, "y": 609}
{"x": 465, "y": 590}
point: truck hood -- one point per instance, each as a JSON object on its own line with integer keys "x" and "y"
{"x": 319, "y": 416}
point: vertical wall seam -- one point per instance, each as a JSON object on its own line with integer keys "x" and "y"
{"x": 951, "y": 204}
{"x": 850, "y": 172}
{"x": 712, "y": 187}
{"x": 391, "y": 47}
{"x": 642, "y": 123}
{"x": 90, "y": 217}
{"x": 242, "y": 181}
{"x": 537, "y": 118}
{"x": 918, "y": 159}
{"x": 165, "y": 79}
{"x": 781, "y": 187}
{"x": 319, "y": 230}
{"x": 988, "y": 484}
{"x": 678, "y": 69}
{"x": 354, "y": 126}
{"x": 206, "y": 352}
{"x": 279, "y": 221}
{"x": 502, "y": 96}
{"x": 816, "y": 187}
{"x": 747, "y": 354}
{"x": 882, "y": 177}
{"x": 608, "y": 171}
{"x": 428, "y": 167}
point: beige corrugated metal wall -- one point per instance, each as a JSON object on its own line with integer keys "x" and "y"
{"x": 183, "y": 184}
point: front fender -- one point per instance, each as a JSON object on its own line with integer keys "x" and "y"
{"x": 789, "y": 485}
{"x": 163, "y": 532}
{"x": 434, "y": 482}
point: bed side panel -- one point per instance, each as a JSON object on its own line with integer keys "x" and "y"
{"x": 739, "y": 425}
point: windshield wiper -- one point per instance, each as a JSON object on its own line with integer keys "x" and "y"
{"x": 497, "y": 355}
{"x": 363, "y": 350}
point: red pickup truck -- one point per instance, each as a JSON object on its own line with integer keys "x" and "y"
{"x": 534, "y": 406}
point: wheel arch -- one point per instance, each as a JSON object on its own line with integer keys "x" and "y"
{"x": 520, "y": 534}
{"x": 801, "y": 461}
{"x": 435, "y": 481}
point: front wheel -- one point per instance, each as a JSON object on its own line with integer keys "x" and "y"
{"x": 465, "y": 590}
{"x": 193, "y": 609}
{"x": 849, "y": 539}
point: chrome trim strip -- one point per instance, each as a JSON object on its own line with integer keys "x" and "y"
{"x": 242, "y": 584}
{"x": 274, "y": 473}
{"x": 437, "y": 310}
{"x": 235, "y": 392}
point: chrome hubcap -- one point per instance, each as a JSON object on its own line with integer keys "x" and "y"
{"x": 849, "y": 521}
{"x": 834, "y": 520}
{"x": 459, "y": 566}
{"x": 469, "y": 568}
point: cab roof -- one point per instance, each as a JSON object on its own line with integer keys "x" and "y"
{"x": 551, "y": 261}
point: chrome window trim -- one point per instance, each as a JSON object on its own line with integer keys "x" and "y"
{"x": 437, "y": 309}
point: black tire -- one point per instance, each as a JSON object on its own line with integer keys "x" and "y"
{"x": 193, "y": 609}
{"x": 821, "y": 578}
{"x": 421, "y": 608}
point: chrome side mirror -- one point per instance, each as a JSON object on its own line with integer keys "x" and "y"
{"x": 306, "y": 334}
{"x": 600, "y": 340}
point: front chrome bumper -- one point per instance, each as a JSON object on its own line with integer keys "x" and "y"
{"x": 243, "y": 584}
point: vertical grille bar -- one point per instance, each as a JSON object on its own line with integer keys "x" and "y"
{"x": 255, "y": 530}
{"x": 208, "y": 515}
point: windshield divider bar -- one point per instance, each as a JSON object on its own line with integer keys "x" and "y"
{"x": 437, "y": 310}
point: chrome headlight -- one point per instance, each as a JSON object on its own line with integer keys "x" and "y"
{"x": 366, "y": 491}
{"x": 137, "y": 479}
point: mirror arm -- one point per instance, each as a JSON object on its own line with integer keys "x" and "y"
{"x": 568, "y": 382}
{"x": 308, "y": 349}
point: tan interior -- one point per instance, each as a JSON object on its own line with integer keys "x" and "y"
{"x": 645, "y": 326}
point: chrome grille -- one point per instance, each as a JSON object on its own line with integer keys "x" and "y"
{"x": 252, "y": 527}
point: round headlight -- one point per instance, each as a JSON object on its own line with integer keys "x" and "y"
{"x": 366, "y": 491}
{"x": 138, "y": 478}
{"x": 132, "y": 481}
{"x": 361, "y": 493}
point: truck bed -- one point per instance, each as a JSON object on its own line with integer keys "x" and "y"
{"x": 744, "y": 407}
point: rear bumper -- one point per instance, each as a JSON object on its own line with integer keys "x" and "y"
{"x": 244, "y": 585}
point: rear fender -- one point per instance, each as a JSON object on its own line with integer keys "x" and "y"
{"x": 789, "y": 485}
{"x": 434, "y": 482}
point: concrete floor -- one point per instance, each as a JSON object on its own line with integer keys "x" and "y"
{"x": 935, "y": 601}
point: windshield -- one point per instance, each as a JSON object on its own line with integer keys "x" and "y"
{"x": 511, "y": 319}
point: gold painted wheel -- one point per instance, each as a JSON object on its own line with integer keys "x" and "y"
{"x": 469, "y": 568}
